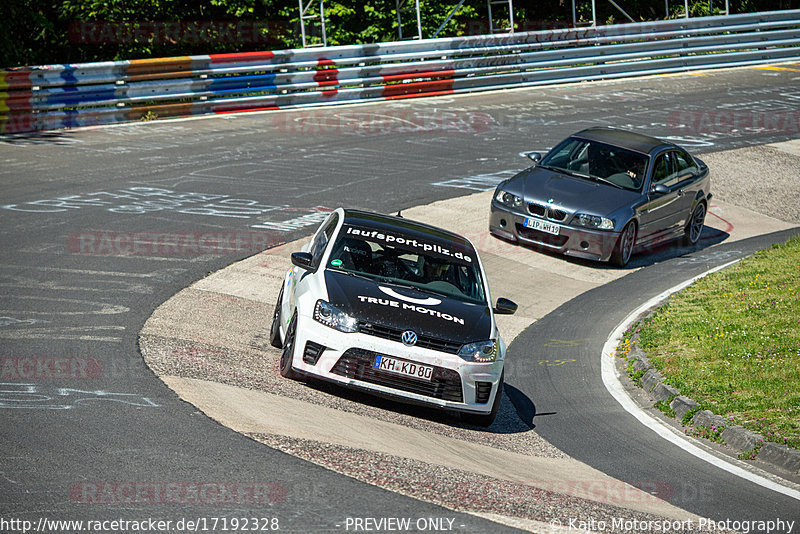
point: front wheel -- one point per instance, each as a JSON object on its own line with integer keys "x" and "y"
{"x": 695, "y": 226}
{"x": 624, "y": 247}
{"x": 275, "y": 327}
{"x": 285, "y": 366}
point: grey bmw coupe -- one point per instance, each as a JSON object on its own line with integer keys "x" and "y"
{"x": 602, "y": 194}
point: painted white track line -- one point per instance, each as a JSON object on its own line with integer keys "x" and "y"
{"x": 611, "y": 379}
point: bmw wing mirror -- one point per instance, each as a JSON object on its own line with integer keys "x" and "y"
{"x": 661, "y": 189}
{"x": 535, "y": 157}
{"x": 304, "y": 260}
{"x": 505, "y": 306}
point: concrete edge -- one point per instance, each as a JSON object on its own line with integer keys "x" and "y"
{"x": 750, "y": 445}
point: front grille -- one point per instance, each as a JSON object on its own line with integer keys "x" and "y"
{"x": 445, "y": 384}
{"x": 547, "y": 212}
{"x": 393, "y": 334}
{"x": 482, "y": 392}
{"x": 542, "y": 237}
{"x": 312, "y": 352}
{"x": 537, "y": 209}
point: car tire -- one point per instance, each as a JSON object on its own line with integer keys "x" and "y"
{"x": 486, "y": 420}
{"x": 624, "y": 247}
{"x": 695, "y": 225}
{"x": 285, "y": 364}
{"x": 275, "y": 327}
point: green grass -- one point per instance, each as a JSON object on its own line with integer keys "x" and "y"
{"x": 731, "y": 342}
{"x": 710, "y": 433}
{"x": 664, "y": 407}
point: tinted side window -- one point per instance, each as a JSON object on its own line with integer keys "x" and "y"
{"x": 662, "y": 169}
{"x": 684, "y": 163}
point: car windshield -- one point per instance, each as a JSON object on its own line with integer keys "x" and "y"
{"x": 599, "y": 161}
{"x": 445, "y": 269}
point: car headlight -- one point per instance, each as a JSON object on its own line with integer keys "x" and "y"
{"x": 593, "y": 221}
{"x": 329, "y": 315}
{"x": 509, "y": 199}
{"x": 480, "y": 351}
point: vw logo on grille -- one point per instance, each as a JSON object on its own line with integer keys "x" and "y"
{"x": 409, "y": 338}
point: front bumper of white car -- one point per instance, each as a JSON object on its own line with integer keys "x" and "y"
{"x": 349, "y": 360}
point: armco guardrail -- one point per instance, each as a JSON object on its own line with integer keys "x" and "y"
{"x": 57, "y": 96}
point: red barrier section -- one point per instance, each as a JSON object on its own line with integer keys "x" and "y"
{"x": 411, "y": 75}
{"x": 18, "y": 78}
{"x": 327, "y": 77}
{"x": 242, "y": 57}
{"x": 408, "y": 90}
{"x": 17, "y": 123}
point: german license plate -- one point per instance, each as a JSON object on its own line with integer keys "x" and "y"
{"x": 403, "y": 367}
{"x": 543, "y": 226}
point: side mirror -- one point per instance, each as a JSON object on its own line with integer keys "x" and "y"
{"x": 304, "y": 260}
{"x": 661, "y": 189}
{"x": 505, "y": 306}
{"x": 534, "y": 156}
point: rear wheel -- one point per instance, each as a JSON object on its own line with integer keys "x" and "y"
{"x": 486, "y": 420}
{"x": 275, "y": 328}
{"x": 624, "y": 247}
{"x": 285, "y": 366}
{"x": 695, "y": 226}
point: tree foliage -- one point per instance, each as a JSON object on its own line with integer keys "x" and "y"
{"x": 72, "y": 31}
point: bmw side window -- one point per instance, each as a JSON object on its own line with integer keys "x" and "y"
{"x": 685, "y": 167}
{"x": 662, "y": 171}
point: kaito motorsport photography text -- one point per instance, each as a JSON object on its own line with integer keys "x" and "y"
{"x": 618, "y": 524}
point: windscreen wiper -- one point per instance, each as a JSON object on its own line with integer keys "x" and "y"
{"x": 595, "y": 178}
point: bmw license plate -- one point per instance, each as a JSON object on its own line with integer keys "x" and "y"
{"x": 403, "y": 367}
{"x": 543, "y": 226}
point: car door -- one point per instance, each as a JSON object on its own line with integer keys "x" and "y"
{"x": 686, "y": 183}
{"x": 660, "y": 215}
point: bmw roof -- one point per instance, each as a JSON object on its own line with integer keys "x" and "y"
{"x": 622, "y": 138}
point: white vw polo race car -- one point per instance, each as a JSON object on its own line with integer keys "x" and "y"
{"x": 396, "y": 308}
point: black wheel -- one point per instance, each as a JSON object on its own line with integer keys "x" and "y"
{"x": 486, "y": 420}
{"x": 624, "y": 247}
{"x": 285, "y": 366}
{"x": 274, "y": 329}
{"x": 695, "y": 225}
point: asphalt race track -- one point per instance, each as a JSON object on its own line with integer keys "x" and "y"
{"x": 100, "y": 226}
{"x": 575, "y": 412}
